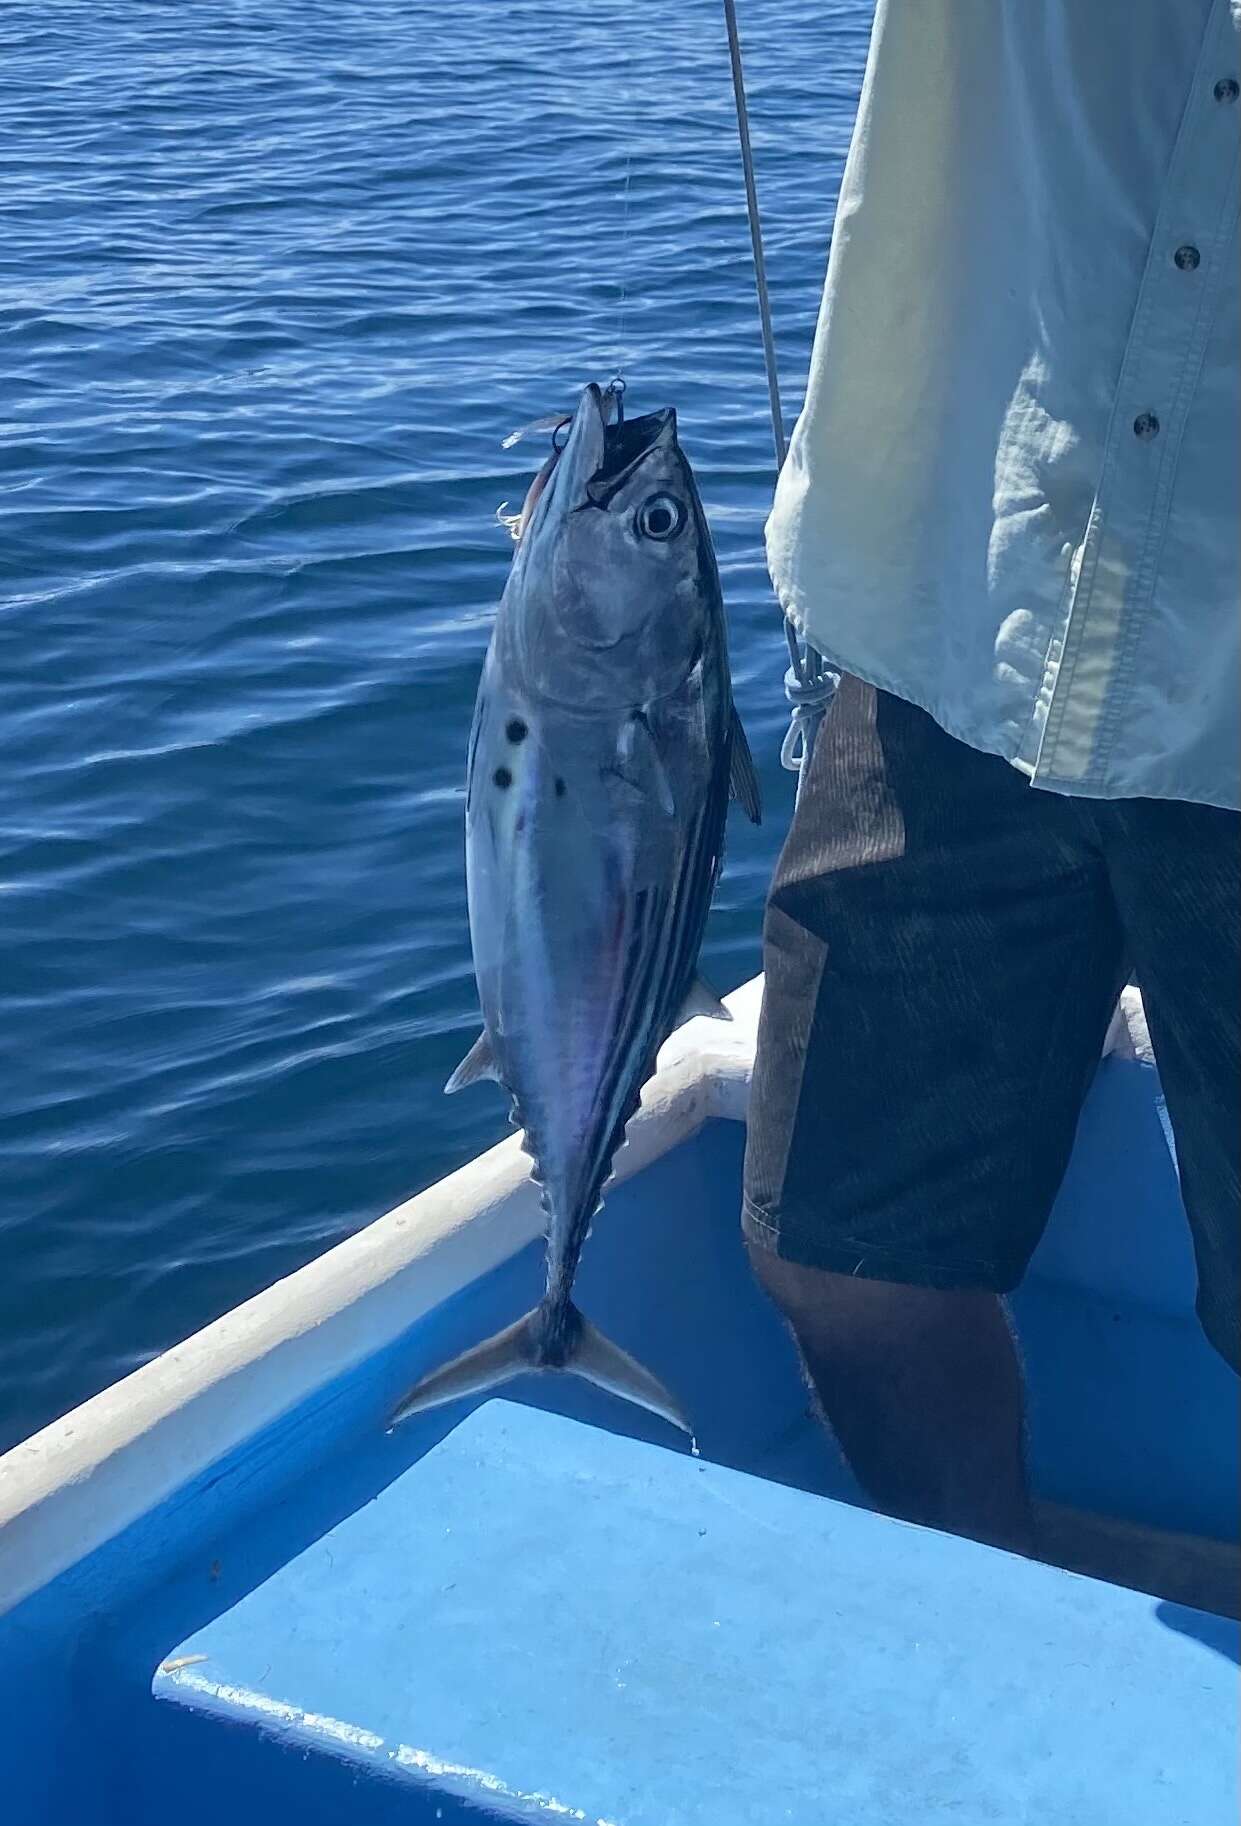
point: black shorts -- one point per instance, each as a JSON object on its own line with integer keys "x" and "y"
{"x": 943, "y": 947}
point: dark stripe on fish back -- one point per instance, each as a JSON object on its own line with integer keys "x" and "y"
{"x": 661, "y": 958}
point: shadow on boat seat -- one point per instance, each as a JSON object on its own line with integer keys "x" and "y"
{"x": 1134, "y": 1418}
{"x": 541, "y": 1619}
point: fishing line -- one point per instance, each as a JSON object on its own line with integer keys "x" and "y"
{"x": 810, "y": 683}
{"x": 622, "y": 303}
{"x": 623, "y": 261}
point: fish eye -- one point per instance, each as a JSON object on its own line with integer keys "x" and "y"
{"x": 660, "y": 517}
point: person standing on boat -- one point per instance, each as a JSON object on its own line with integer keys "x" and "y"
{"x": 1010, "y": 515}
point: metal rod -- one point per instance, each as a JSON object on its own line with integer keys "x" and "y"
{"x": 760, "y": 284}
{"x": 756, "y": 233}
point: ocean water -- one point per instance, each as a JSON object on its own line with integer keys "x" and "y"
{"x": 275, "y": 281}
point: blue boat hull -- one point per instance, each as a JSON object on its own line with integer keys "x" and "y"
{"x": 1132, "y": 1417}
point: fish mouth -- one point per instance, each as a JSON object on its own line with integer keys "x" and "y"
{"x": 633, "y": 438}
{"x": 598, "y": 458}
{"x": 625, "y": 446}
{"x": 583, "y": 453}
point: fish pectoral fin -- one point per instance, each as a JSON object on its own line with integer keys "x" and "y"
{"x": 742, "y": 779}
{"x": 701, "y": 1000}
{"x": 478, "y": 1063}
{"x": 596, "y": 1359}
{"x": 488, "y": 1365}
{"x": 585, "y": 1352}
{"x": 640, "y": 765}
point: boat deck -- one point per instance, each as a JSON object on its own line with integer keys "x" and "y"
{"x": 185, "y": 1506}
{"x": 470, "y": 1645}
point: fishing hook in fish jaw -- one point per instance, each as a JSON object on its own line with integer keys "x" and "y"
{"x": 611, "y": 402}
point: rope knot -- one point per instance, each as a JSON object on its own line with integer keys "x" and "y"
{"x": 809, "y": 697}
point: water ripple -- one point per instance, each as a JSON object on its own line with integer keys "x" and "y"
{"x": 274, "y": 283}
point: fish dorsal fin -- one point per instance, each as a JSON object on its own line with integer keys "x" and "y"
{"x": 477, "y": 1064}
{"x": 742, "y": 779}
{"x": 702, "y": 1000}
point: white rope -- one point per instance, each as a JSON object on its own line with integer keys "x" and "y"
{"x": 810, "y": 683}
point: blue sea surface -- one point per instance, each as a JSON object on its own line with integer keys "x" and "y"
{"x": 275, "y": 281}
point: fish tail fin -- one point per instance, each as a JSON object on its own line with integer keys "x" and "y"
{"x": 485, "y": 1366}
{"x": 596, "y": 1359}
{"x": 574, "y": 1345}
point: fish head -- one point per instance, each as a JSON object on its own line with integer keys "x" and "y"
{"x": 614, "y": 584}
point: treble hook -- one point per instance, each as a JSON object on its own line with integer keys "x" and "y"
{"x": 612, "y": 401}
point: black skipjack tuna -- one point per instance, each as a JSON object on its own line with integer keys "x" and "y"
{"x": 603, "y": 750}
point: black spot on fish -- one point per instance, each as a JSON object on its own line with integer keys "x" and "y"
{"x": 502, "y": 776}
{"x": 560, "y": 788}
{"x": 515, "y": 729}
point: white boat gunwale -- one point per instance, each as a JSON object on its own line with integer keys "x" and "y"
{"x": 83, "y": 1479}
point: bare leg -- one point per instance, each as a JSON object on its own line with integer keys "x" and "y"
{"x": 923, "y": 1391}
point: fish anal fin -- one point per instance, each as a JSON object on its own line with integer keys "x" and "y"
{"x": 742, "y": 779}
{"x": 702, "y": 1000}
{"x": 478, "y": 1063}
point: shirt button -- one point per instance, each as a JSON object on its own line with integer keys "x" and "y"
{"x": 1187, "y": 258}
{"x": 1226, "y": 89}
{"x": 1146, "y": 425}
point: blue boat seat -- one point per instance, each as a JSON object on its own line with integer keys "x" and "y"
{"x": 542, "y": 1621}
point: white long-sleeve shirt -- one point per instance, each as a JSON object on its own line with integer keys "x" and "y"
{"x": 1013, "y": 494}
